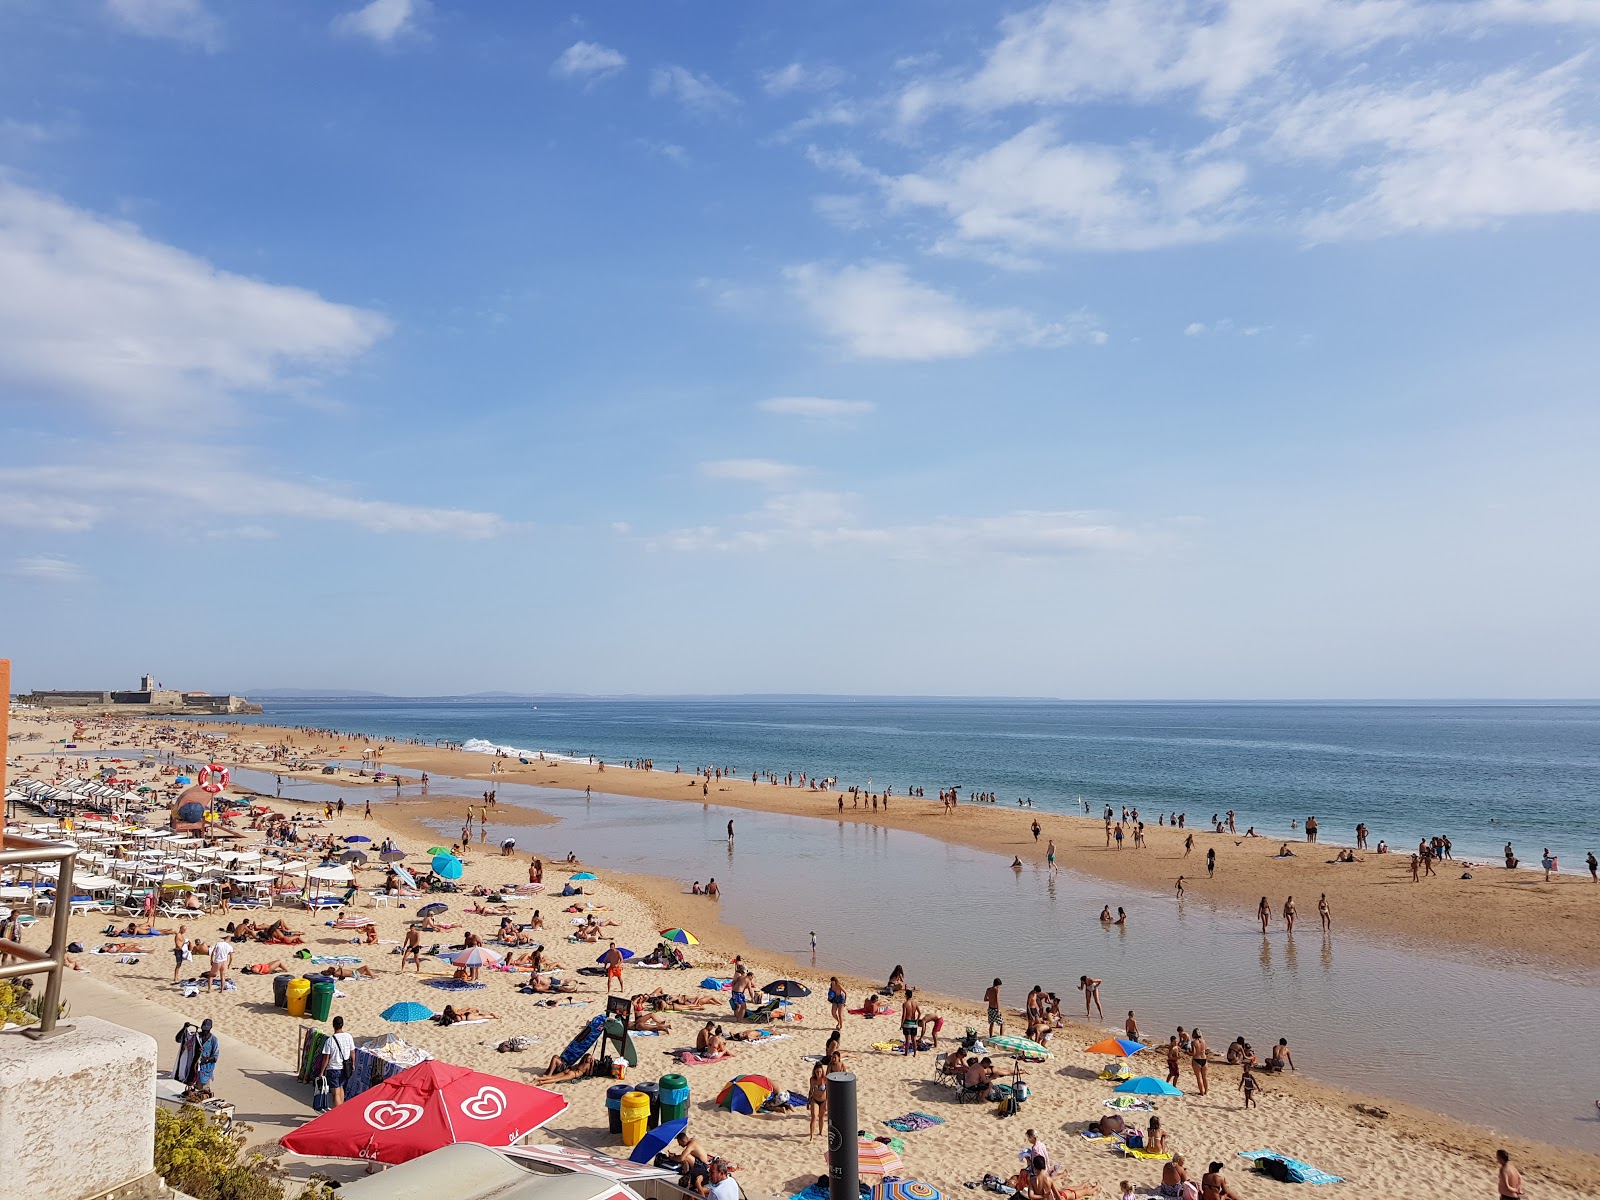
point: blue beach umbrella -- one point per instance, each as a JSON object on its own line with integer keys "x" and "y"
{"x": 657, "y": 1140}
{"x": 447, "y": 866}
{"x": 622, "y": 950}
{"x": 183, "y": 779}
{"x": 403, "y": 875}
{"x": 356, "y": 837}
{"x": 407, "y": 1012}
{"x": 432, "y": 910}
{"x": 1147, "y": 1085}
{"x": 584, "y": 875}
{"x": 1122, "y": 1047}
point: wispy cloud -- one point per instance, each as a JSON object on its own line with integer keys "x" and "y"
{"x": 876, "y": 310}
{"x": 98, "y": 315}
{"x": 815, "y": 408}
{"x": 801, "y": 77}
{"x": 698, "y": 93}
{"x": 763, "y": 471}
{"x": 382, "y": 21}
{"x": 176, "y": 20}
{"x": 588, "y": 60}
{"x": 167, "y": 488}
{"x": 48, "y": 568}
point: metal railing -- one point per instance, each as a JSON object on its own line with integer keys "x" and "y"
{"x": 25, "y": 851}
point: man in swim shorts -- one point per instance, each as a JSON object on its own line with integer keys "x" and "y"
{"x": 613, "y": 961}
{"x": 992, "y": 999}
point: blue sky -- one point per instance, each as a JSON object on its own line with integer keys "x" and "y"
{"x": 1097, "y": 348}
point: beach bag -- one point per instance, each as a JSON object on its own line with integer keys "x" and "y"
{"x": 1274, "y": 1168}
{"x": 1009, "y": 1106}
{"x": 321, "y": 1094}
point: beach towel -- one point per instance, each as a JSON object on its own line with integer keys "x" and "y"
{"x": 1141, "y": 1155}
{"x": 1123, "y": 1106}
{"x": 1091, "y": 1136}
{"x": 889, "y": 1047}
{"x": 1299, "y": 1172}
{"x": 456, "y": 985}
{"x": 914, "y": 1121}
{"x": 336, "y": 960}
{"x": 690, "y": 1059}
{"x": 711, "y": 983}
{"x": 814, "y": 1192}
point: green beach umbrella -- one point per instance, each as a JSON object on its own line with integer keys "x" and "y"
{"x": 1012, "y": 1044}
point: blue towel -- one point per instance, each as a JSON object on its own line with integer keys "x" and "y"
{"x": 1299, "y": 1172}
{"x": 811, "y": 1193}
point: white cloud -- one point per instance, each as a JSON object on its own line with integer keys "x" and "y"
{"x": 1427, "y": 158}
{"x": 698, "y": 93}
{"x": 876, "y": 310}
{"x": 1034, "y": 192}
{"x": 382, "y": 21}
{"x": 1194, "y": 329}
{"x": 815, "y": 408}
{"x": 800, "y": 77}
{"x": 96, "y": 314}
{"x": 588, "y": 60}
{"x": 169, "y": 487}
{"x": 178, "y": 20}
{"x": 752, "y": 470}
{"x": 48, "y": 568}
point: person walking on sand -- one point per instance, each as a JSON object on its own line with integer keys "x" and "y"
{"x": 411, "y": 948}
{"x": 1188, "y": 845}
{"x": 1037, "y": 829}
{"x": 837, "y": 999}
{"x": 180, "y": 950}
{"x": 817, "y": 1100}
{"x": 1247, "y": 1085}
{"x": 1197, "y": 1061}
{"x": 1090, "y": 988}
{"x": 1050, "y": 856}
{"x": 1179, "y": 888}
{"x": 1593, "y": 864}
{"x": 1174, "y": 1058}
{"x": 221, "y": 954}
{"x": 1509, "y": 1178}
{"x": 1264, "y": 915}
{"x": 612, "y": 959}
{"x": 1289, "y": 912}
{"x": 997, "y": 1015}
{"x": 1211, "y": 861}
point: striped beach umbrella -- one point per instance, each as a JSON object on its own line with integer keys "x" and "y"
{"x": 1121, "y": 1047}
{"x": 475, "y": 956}
{"x": 1012, "y": 1044}
{"x": 905, "y": 1189}
{"x": 875, "y": 1158}
{"x": 682, "y": 936}
{"x": 745, "y": 1094}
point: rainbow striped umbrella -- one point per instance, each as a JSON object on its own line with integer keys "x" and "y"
{"x": 905, "y": 1189}
{"x": 681, "y": 936}
{"x": 745, "y": 1094}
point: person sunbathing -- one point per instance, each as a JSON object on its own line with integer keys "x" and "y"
{"x": 587, "y": 933}
{"x": 244, "y": 929}
{"x": 484, "y": 911}
{"x": 559, "y": 1072}
{"x": 452, "y": 1015}
{"x": 340, "y": 971}
{"x": 273, "y": 968}
{"x": 549, "y": 983}
{"x": 122, "y": 948}
{"x": 659, "y": 999}
{"x": 430, "y": 924}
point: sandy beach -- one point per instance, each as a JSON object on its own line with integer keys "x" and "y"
{"x": 1411, "y": 1153}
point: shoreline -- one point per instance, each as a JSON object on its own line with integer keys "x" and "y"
{"x": 1513, "y": 915}
{"x": 1413, "y": 1152}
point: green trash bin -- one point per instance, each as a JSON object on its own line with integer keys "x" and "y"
{"x": 321, "y": 1003}
{"x": 674, "y": 1097}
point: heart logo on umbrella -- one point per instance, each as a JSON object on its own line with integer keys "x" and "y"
{"x": 386, "y": 1114}
{"x": 488, "y": 1104}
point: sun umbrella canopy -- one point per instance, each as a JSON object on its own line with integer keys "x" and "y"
{"x": 390, "y": 856}
{"x": 584, "y": 875}
{"x": 403, "y": 875}
{"x": 622, "y": 950}
{"x": 745, "y": 1094}
{"x": 475, "y": 956}
{"x": 406, "y": 1012}
{"x": 183, "y": 779}
{"x": 447, "y": 866}
{"x": 905, "y": 1189}
{"x": 433, "y": 910}
{"x": 1011, "y": 1044}
{"x": 422, "y": 1108}
{"x": 332, "y": 875}
{"x": 356, "y": 837}
{"x": 657, "y": 1140}
{"x": 437, "y": 850}
{"x": 353, "y": 856}
{"x": 682, "y": 936}
{"x": 877, "y": 1159}
{"x": 1116, "y": 1045}
{"x": 1147, "y": 1085}
{"x": 789, "y": 989}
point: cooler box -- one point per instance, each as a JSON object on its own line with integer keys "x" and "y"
{"x": 295, "y": 994}
{"x": 280, "y": 990}
{"x": 674, "y": 1093}
{"x": 614, "y": 1095}
{"x": 635, "y": 1117}
{"x": 320, "y": 1006}
{"x": 653, "y": 1092}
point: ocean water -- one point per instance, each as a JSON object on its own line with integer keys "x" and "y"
{"x": 1482, "y": 774}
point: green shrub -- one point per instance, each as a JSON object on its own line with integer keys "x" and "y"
{"x": 197, "y": 1154}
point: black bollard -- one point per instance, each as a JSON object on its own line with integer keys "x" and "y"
{"x": 844, "y": 1161}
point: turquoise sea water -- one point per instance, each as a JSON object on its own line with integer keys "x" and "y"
{"x": 1480, "y": 773}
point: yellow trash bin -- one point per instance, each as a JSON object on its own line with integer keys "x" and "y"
{"x": 635, "y": 1117}
{"x": 298, "y": 992}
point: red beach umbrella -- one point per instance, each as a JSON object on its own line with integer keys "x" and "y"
{"x": 424, "y": 1107}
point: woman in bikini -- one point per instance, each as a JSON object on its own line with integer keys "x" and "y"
{"x": 1197, "y": 1060}
{"x": 817, "y": 1099}
{"x": 1091, "y": 995}
{"x": 837, "y": 999}
{"x": 1213, "y": 1186}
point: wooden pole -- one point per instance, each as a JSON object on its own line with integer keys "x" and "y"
{"x": 5, "y": 738}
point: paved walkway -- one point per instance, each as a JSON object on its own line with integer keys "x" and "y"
{"x": 261, "y": 1087}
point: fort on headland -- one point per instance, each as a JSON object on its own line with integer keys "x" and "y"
{"x": 148, "y": 699}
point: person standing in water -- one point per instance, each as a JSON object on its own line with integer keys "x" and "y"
{"x": 1090, "y": 988}
{"x": 1325, "y": 913}
{"x": 1264, "y": 915}
{"x": 1289, "y": 912}
{"x": 730, "y": 833}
